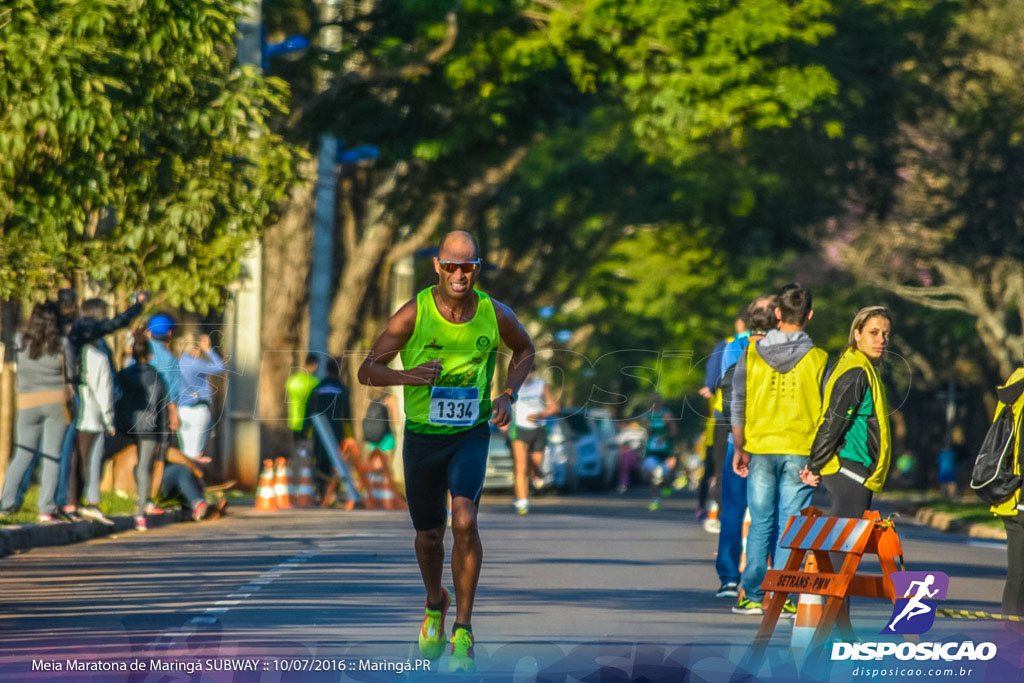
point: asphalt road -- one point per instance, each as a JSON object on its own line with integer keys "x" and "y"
{"x": 584, "y": 586}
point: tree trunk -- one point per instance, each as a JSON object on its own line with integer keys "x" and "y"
{"x": 8, "y": 327}
{"x": 287, "y": 254}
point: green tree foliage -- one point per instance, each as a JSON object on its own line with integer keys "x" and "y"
{"x": 688, "y": 71}
{"x": 132, "y": 148}
{"x": 451, "y": 91}
{"x": 950, "y": 239}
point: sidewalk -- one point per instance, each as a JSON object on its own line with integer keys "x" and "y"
{"x": 18, "y": 538}
{"x": 969, "y": 517}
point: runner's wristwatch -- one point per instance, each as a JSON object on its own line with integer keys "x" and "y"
{"x": 513, "y": 396}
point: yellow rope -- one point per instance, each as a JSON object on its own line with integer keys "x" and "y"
{"x": 967, "y": 614}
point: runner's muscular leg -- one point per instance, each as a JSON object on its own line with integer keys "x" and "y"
{"x": 520, "y": 466}
{"x": 430, "y": 556}
{"x": 467, "y": 556}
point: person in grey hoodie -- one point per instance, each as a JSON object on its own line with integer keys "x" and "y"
{"x": 776, "y": 401}
{"x": 42, "y": 415}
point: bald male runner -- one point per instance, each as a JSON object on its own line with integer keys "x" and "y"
{"x": 448, "y": 337}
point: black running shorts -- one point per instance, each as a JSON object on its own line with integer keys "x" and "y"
{"x": 437, "y": 463}
{"x": 535, "y": 439}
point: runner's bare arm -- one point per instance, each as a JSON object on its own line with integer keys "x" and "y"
{"x": 375, "y": 372}
{"x": 519, "y": 366}
{"x": 551, "y": 406}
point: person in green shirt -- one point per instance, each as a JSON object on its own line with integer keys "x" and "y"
{"x": 297, "y": 390}
{"x": 448, "y": 338}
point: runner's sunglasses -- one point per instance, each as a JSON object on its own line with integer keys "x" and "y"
{"x": 466, "y": 266}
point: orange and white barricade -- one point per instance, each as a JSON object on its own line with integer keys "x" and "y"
{"x": 812, "y": 535}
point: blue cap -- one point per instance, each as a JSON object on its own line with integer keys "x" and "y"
{"x": 160, "y": 325}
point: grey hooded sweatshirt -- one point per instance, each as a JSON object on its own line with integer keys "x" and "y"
{"x": 782, "y": 351}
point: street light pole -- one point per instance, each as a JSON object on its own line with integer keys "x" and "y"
{"x": 322, "y": 269}
{"x": 243, "y": 322}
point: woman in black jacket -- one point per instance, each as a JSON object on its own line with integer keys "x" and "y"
{"x": 141, "y": 413}
{"x": 853, "y": 447}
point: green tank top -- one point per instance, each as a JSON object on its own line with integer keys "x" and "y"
{"x": 461, "y": 399}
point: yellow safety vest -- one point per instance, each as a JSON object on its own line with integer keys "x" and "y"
{"x": 1008, "y": 508}
{"x": 852, "y": 358}
{"x": 782, "y": 409}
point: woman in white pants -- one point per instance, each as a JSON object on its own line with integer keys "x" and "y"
{"x": 197, "y": 362}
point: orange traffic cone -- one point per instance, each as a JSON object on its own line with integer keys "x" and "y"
{"x": 808, "y": 614}
{"x": 304, "y": 492}
{"x": 712, "y": 525}
{"x": 381, "y": 486}
{"x": 379, "y": 490}
{"x": 266, "y": 500}
{"x": 282, "y": 484}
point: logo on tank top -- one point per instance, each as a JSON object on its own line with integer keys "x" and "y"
{"x": 482, "y": 343}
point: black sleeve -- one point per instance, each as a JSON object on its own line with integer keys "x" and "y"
{"x": 85, "y": 331}
{"x": 726, "y": 386}
{"x": 161, "y": 403}
{"x": 847, "y": 395}
{"x": 312, "y": 409}
{"x": 343, "y": 409}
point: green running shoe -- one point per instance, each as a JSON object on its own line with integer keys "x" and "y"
{"x": 432, "y": 638}
{"x": 788, "y": 610}
{"x": 744, "y": 606}
{"x": 461, "y": 658}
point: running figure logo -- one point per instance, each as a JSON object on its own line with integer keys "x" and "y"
{"x": 914, "y": 612}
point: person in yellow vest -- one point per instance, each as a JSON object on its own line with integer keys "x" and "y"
{"x": 853, "y": 447}
{"x": 297, "y": 389}
{"x": 1011, "y": 396}
{"x": 776, "y": 402}
{"x": 448, "y": 338}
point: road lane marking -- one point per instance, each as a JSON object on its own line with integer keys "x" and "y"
{"x": 170, "y": 638}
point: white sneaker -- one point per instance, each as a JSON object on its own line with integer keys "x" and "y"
{"x": 522, "y": 506}
{"x": 92, "y": 512}
{"x": 713, "y": 526}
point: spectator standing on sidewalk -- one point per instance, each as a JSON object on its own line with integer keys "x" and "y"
{"x": 160, "y": 331}
{"x": 82, "y": 330}
{"x": 714, "y": 457}
{"x": 1011, "y": 397}
{"x": 95, "y": 420}
{"x": 42, "y": 416}
{"x": 853, "y": 447}
{"x": 775, "y": 409}
{"x": 142, "y": 415}
{"x": 732, "y": 489}
{"x": 197, "y": 362}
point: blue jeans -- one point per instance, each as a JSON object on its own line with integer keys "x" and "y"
{"x": 179, "y": 481}
{"x": 774, "y": 493}
{"x": 67, "y": 447}
{"x": 734, "y": 505}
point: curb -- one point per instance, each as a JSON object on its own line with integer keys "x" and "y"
{"x": 944, "y": 521}
{"x": 18, "y": 538}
